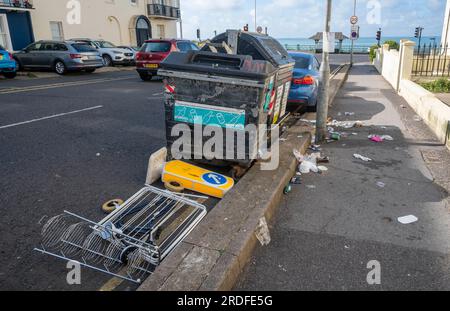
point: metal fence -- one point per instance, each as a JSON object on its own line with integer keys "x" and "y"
{"x": 431, "y": 60}
{"x": 358, "y": 49}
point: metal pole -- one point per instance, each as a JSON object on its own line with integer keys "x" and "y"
{"x": 324, "y": 97}
{"x": 353, "y": 41}
{"x": 256, "y": 26}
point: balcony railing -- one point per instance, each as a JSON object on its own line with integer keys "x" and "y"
{"x": 19, "y": 4}
{"x": 160, "y": 10}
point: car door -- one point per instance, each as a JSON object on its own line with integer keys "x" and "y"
{"x": 26, "y": 57}
{"x": 45, "y": 55}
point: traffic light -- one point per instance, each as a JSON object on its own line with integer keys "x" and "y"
{"x": 198, "y": 34}
{"x": 379, "y": 35}
{"x": 416, "y": 35}
{"x": 246, "y": 28}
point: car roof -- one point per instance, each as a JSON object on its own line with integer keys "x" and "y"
{"x": 167, "y": 40}
{"x": 301, "y": 54}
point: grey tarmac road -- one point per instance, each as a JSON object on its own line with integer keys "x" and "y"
{"x": 71, "y": 161}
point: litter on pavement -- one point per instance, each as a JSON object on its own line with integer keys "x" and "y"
{"x": 380, "y": 138}
{"x": 406, "y": 220}
{"x": 363, "y": 158}
{"x": 381, "y": 184}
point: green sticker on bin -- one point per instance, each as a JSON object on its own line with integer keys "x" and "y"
{"x": 209, "y": 115}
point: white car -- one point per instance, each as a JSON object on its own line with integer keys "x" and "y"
{"x": 111, "y": 54}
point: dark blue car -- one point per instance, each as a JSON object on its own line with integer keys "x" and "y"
{"x": 305, "y": 82}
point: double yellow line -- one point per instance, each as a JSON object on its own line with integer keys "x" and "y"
{"x": 59, "y": 85}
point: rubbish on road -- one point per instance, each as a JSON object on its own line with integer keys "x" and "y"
{"x": 262, "y": 232}
{"x": 112, "y": 205}
{"x": 323, "y": 168}
{"x": 381, "y": 184}
{"x": 376, "y": 138}
{"x": 417, "y": 119}
{"x": 179, "y": 174}
{"x": 287, "y": 189}
{"x": 321, "y": 159}
{"x": 335, "y": 136}
{"x": 387, "y": 138}
{"x": 311, "y": 187}
{"x": 156, "y": 165}
{"x": 349, "y": 114}
{"x": 363, "y": 158}
{"x": 309, "y": 164}
{"x": 315, "y": 148}
{"x": 406, "y": 220}
{"x": 296, "y": 181}
{"x": 346, "y": 124}
{"x": 355, "y": 134}
{"x": 98, "y": 154}
{"x": 298, "y": 155}
{"x": 138, "y": 236}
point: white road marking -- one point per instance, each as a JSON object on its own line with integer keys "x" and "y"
{"x": 50, "y": 117}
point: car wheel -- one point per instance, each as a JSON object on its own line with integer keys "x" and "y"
{"x": 146, "y": 77}
{"x": 90, "y": 70}
{"x": 10, "y": 75}
{"x": 107, "y": 61}
{"x": 60, "y": 68}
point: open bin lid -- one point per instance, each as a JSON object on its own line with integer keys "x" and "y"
{"x": 259, "y": 46}
{"x": 220, "y": 64}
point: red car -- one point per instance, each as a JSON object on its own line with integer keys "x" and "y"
{"x": 153, "y": 52}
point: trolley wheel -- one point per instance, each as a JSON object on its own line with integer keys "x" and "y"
{"x": 174, "y": 186}
{"x": 111, "y": 206}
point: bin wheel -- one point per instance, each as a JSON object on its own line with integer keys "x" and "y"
{"x": 174, "y": 186}
{"x": 111, "y": 206}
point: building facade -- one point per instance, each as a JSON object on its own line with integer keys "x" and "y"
{"x": 122, "y": 22}
{"x": 16, "y": 29}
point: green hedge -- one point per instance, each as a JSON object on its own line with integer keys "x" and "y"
{"x": 439, "y": 86}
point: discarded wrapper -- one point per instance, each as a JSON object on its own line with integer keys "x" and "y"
{"x": 363, "y": 158}
{"x": 406, "y": 220}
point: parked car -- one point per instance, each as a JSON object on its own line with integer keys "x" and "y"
{"x": 111, "y": 54}
{"x": 305, "y": 82}
{"x": 59, "y": 56}
{"x": 153, "y": 52}
{"x": 7, "y": 64}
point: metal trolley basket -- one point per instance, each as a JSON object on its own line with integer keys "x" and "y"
{"x": 130, "y": 242}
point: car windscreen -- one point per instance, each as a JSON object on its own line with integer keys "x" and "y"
{"x": 105, "y": 44}
{"x": 156, "y": 47}
{"x": 83, "y": 48}
{"x": 301, "y": 62}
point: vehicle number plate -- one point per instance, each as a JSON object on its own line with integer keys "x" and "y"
{"x": 151, "y": 65}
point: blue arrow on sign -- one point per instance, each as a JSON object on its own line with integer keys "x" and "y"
{"x": 214, "y": 179}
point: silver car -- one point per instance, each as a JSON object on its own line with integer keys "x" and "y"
{"x": 59, "y": 56}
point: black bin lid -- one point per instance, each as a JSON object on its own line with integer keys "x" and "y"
{"x": 259, "y": 46}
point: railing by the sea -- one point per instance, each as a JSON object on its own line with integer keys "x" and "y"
{"x": 357, "y": 49}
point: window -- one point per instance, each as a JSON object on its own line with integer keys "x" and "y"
{"x": 134, "y": 2}
{"x": 48, "y": 47}
{"x": 185, "y": 46}
{"x": 82, "y": 48}
{"x": 301, "y": 62}
{"x": 34, "y": 47}
{"x": 155, "y": 47}
{"x": 57, "y": 31}
{"x": 161, "y": 31}
{"x": 105, "y": 44}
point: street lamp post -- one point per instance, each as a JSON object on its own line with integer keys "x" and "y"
{"x": 353, "y": 41}
{"x": 256, "y": 24}
{"x": 322, "y": 106}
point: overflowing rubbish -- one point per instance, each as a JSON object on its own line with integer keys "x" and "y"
{"x": 323, "y": 168}
{"x": 179, "y": 175}
{"x": 335, "y": 136}
{"x": 387, "y": 138}
{"x": 130, "y": 242}
{"x": 309, "y": 164}
{"x": 287, "y": 189}
{"x": 406, "y": 220}
{"x": 296, "y": 181}
{"x": 363, "y": 158}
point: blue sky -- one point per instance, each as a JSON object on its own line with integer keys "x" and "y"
{"x": 302, "y": 18}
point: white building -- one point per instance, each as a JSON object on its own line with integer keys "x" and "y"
{"x": 123, "y": 22}
{"x": 446, "y": 30}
